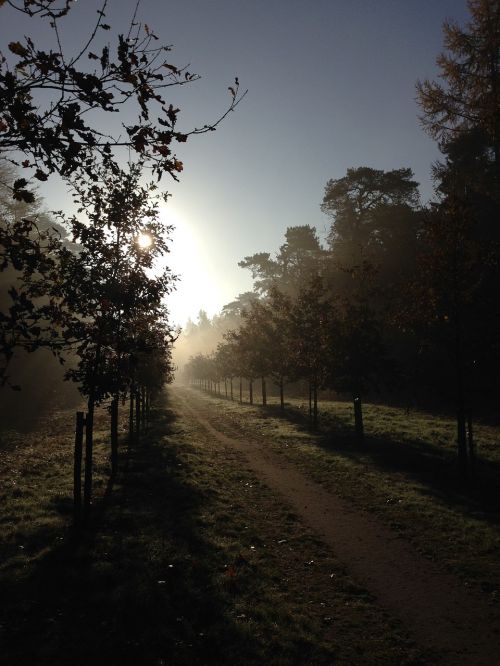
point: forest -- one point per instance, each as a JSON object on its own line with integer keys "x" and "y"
{"x": 130, "y": 447}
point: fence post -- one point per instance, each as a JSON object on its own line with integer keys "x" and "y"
{"x": 77, "y": 469}
{"x": 358, "y": 420}
{"x": 89, "y": 447}
{"x": 114, "y": 436}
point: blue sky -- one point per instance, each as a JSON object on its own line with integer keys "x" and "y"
{"x": 331, "y": 86}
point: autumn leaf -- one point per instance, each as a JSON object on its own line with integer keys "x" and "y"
{"x": 172, "y": 114}
{"x": 163, "y": 150}
{"x": 41, "y": 175}
{"x": 172, "y": 68}
{"x": 20, "y": 183}
{"x": 18, "y": 49}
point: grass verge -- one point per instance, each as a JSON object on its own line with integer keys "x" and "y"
{"x": 188, "y": 560}
{"x": 405, "y": 473}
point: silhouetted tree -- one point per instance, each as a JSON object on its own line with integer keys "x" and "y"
{"x": 296, "y": 262}
{"x": 469, "y": 97}
{"x": 373, "y": 228}
{"x": 51, "y": 114}
{"x": 309, "y": 344}
{"x": 459, "y": 272}
{"x": 357, "y": 356}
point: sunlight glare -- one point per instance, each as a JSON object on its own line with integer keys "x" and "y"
{"x": 144, "y": 241}
{"x": 188, "y": 258}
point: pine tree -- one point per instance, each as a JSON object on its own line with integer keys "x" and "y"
{"x": 469, "y": 97}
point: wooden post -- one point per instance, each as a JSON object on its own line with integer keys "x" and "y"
{"x": 358, "y": 420}
{"x": 114, "y": 436}
{"x": 77, "y": 469}
{"x": 89, "y": 445}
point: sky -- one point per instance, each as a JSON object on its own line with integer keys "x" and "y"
{"x": 331, "y": 85}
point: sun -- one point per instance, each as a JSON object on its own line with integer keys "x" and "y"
{"x": 144, "y": 241}
{"x": 191, "y": 261}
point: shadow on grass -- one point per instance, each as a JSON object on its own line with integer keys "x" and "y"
{"x": 432, "y": 465}
{"x": 140, "y": 586}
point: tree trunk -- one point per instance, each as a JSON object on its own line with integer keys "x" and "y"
{"x": 358, "y": 420}
{"x": 241, "y": 390}
{"x": 461, "y": 420}
{"x": 250, "y": 388}
{"x": 310, "y": 401}
{"x": 264, "y": 392}
{"x": 225, "y": 386}
{"x": 137, "y": 415}
{"x": 143, "y": 407}
{"x": 114, "y": 436}
{"x": 470, "y": 441}
{"x": 89, "y": 445}
{"x": 462, "y": 443}
{"x": 231, "y": 387}
{"x": 131, "y": 417}
{"x": 315, "y": 406}
{"x": 77, "y": 470}
{"x": 89, "y": 436}
{"x": 282, "y": 396}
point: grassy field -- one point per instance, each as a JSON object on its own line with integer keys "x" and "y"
{"x": 188, "y": 559}
{"x": 405, "y": 473}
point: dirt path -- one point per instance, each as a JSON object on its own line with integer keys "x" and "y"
{"x": 437, "y": 610}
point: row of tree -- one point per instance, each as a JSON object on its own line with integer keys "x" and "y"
{"x": 403, "y": 299}
{"x": 89, "y": 288}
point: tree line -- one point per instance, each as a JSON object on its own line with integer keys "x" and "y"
{"x": 402, "y": 299}
{"x": 88, "y": 286}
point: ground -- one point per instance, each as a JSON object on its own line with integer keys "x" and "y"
{"x": 231, "y": 535}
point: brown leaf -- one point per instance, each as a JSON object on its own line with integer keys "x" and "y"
{"x": 18, "y": 49}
